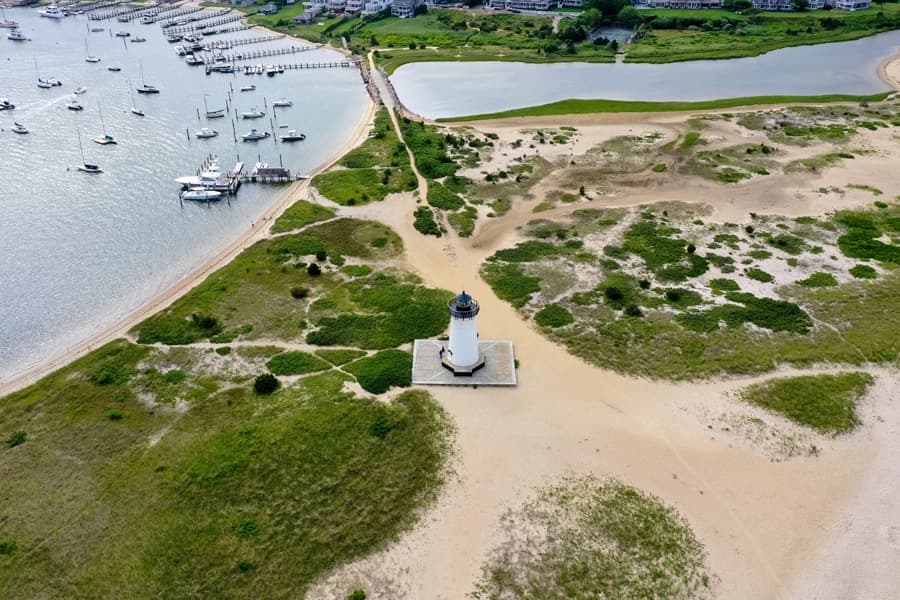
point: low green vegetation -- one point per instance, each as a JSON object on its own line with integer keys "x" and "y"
{"x": 339, "y": 356}
{"x": 300, "y": 214}
{"x": 296, "y": 363}
{"x": 579, "y": 106}
{"x": 588, "y": 537}
{"x": 826, "y": 403}
{"x": 648, "y": 301}
{"x": 383, "y": 370}
{"x": 371, "y": 171}
{"x": 425, "y": 223}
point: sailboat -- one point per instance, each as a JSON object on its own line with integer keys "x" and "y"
{"x": 7, "y": 23}
{"x": 88, "y": 57}
{"x": 105, "y": 138}
{"x": 86, "y": 167}
{"x": 212, "y": 114}
{"x": 134, "y": 109}
{"x": 45, "y": 83}
{"x": 146, "y": 89}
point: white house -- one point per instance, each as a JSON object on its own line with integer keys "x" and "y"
{"x": 405, "y": 8}
{"x": 373, "y": 7}
{"x": 694, "y": 4}
{"x": 268, "y": 9}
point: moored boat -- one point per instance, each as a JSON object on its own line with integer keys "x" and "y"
{"x": 19, "y": 128}
{"x": 5, "y": 104}
{"x": 114, "y": 69}
{"x": 253, "y": 113}
{"x": 74, "y": 105}
{"x": 248, "y": 88}
{"x": 52, "y": 12}
{"x": 281, "y": 102}
{"x": 80, "y": 90}
{"x": 205, "y": 133}
{"x": 200, "y": 194}
{"x": 255, "y": 135}
{"x": 16, "y": 35}
{"x": 123, "y": 34}
{"x": 293, "y": 135}
{"x": 138, "y": 40}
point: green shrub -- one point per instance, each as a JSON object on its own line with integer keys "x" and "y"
{"x": 863, "y": 272}
{"x": 299, "y": 292}
{"x": 339, "y": 356}
{"x": 16, "y": 438}
{"x": 357, "y": 595}
{"x": 441, "y": 197}
{"x": 223, "y": 351}
{"x": 115, "y": 414}
{"x": 759, "y": 275}
{"x": 553, "y": 315}
{"x": 383, "y": 370}
{"x": 7, "y": 547}
{"x": 819, "y": 280}
{"x": 265, "y": 384}
{"x": 425, "y": 223}
{"x": 660, "y": 168}
{"x": 724, "y": 285}
{"x": 510, "y": 283}
{"x": 174, "y": 377}
{"x": 295, "y": 363}
{"x": 313, "y": 270}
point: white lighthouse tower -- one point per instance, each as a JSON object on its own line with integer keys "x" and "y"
{"x": 462, "y": 356}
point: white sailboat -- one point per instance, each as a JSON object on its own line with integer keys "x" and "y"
{"x": 6, "y": 23}
{"x": 45, "y": 83}
{"x": 88, "y": 57}
{"x": 212, "y": 114}
{"x": 86, "y": 167}
{"x": 105, "y": 139}
{"x": 134, "y": 109}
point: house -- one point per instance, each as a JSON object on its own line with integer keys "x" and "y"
{"x": 354, "y": 7}
{"x": 373, "y": 7}
{"x": 538, "y": 5}
{"x": 335, "y": 6}
{"x": 268, "y": 9}
{"x": 243, "y": 3}
{"x": 405, "y": 8}
{"x": 680, "y": 3}
{"x": 309, "y": 15}
{"x": 570, "y": 3}
{"x": 851, "y": 4}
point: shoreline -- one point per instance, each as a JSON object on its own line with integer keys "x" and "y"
{"x": 255, "y": 233}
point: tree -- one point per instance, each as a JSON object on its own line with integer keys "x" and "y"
{"x": 265, "y": 384}
{"x": 313, "y": 270}
{"x": 629, "y": 17}
{"x": 800, "y": 5}
{"x": 614, "y": 46}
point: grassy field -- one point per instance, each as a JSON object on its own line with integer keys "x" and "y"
{"x": 676, "y": 35}
{"x": 826, "y": 403}
{"x": 577, "y": 107}
{"x": 666, "y": 299}
{"x": 586, "y": 538}
{"x": 163, "y": 471}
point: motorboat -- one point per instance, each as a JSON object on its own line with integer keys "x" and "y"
{"x": 138, "y": 40}
{"x": 137, "y": 111}
{"x": 19, "y": 128}
{"x": 200, "y": 194}
{"x": 283, "y": 102}
{"x": 194, "y": 60}
{"x": 255, "y": 135}
{"x": 114, "y": 69}
{"x": 80, "y": 90}
{"x": 210, "y": 178}
{"x": 248, "y": 88}
{"x": 147, "y": 89}
{"x": 174, "y": 38}
{"x": 205, "y": 133}
{"x": 48, "y": 83}
{"x": 97, "y": 29}
{"x": 271, "y": 71}
{"x": 293, "y": 136}
{"x": 52, "y": 12}
{"x": 123, "y": 19}
{"x": 253, "y": 113}
{"x": 16, "y": 35}
{"x": 123, "y": 34}
{"x": 105, "y": 140}
{"x": 5, "y": 104}
{"x": 148, "y": 20}
{"x": 74, "y": 105}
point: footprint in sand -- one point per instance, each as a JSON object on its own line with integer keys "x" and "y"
{"x": 893, "y": 536}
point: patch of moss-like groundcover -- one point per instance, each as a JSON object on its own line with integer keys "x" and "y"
{"x": 211, "y": 507}
{"x": 826, "y": 402}
{"x": 300, "y": 214}
{"x": 595, "y": 538}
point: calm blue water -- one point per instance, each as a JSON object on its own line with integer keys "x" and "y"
{"x": 447, "y": 89}
{"x": 79, "y": 251}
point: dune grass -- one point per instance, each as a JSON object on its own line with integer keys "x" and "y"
{"x": 241, "y": 495}
{"x": 580, "y": 106}
{"x": 300, "y": 214}
{"x": 585, "y": 538}
{"x": 826, "y": 403}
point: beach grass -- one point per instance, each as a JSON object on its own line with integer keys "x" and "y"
{"x": 579, "y": 107}
{"x": 587, "y": 537}
{"x": 300, "y": 214}
{"x": 826, "y": 402}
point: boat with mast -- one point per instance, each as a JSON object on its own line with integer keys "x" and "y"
{"x": 45, "y": 83}
{"x": 86, "y": 167}
{"x": 134, "y": 109}
{"x": 88, "y": 57}
{"x": 105, "y": 138}
{"x": 212, "y": 114}
{"x": 4, "y": 22}
{"x": 19, "y": 128}
{"x": 5, "y": 104}
{"x": 253, "y": 113}
{"x": 144, "y": 88}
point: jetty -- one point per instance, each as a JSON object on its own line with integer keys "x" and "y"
{"x": 338, "y": 64}
{"x": 213, "y": 56}
{"x": 260, "y": 39}
{"x": 191, "y": 28}
{"x": 263, "y": 173}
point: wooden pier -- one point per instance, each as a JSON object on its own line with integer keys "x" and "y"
{"x": 338, "y": 64}
{"x": 182, "y": 29}
{"x": 255, "y": 54}
{"x": 229, "y": 44}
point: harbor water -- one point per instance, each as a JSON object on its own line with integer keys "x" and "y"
{"x": 79, "y": 251}
{"x": 452, "y": 89}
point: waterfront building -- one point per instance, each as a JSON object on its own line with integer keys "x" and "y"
{"x": 268, "y": 9}
{"x": 373, "y": 7}
{"x": 405, "y": 8}
{"x": 309, "y": 15}
{"x": 852, "y": 4}
{"x": 537, "y": 5}
{"x": 693, "y": 4}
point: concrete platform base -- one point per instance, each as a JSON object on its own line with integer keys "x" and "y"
{"x": 458, "y": 370}
{"x": 498, "y": 367}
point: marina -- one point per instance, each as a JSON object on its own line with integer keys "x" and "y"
{"x": 124, "y": 234}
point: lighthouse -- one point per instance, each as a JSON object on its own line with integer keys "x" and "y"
{"x": 462, "y": 355}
